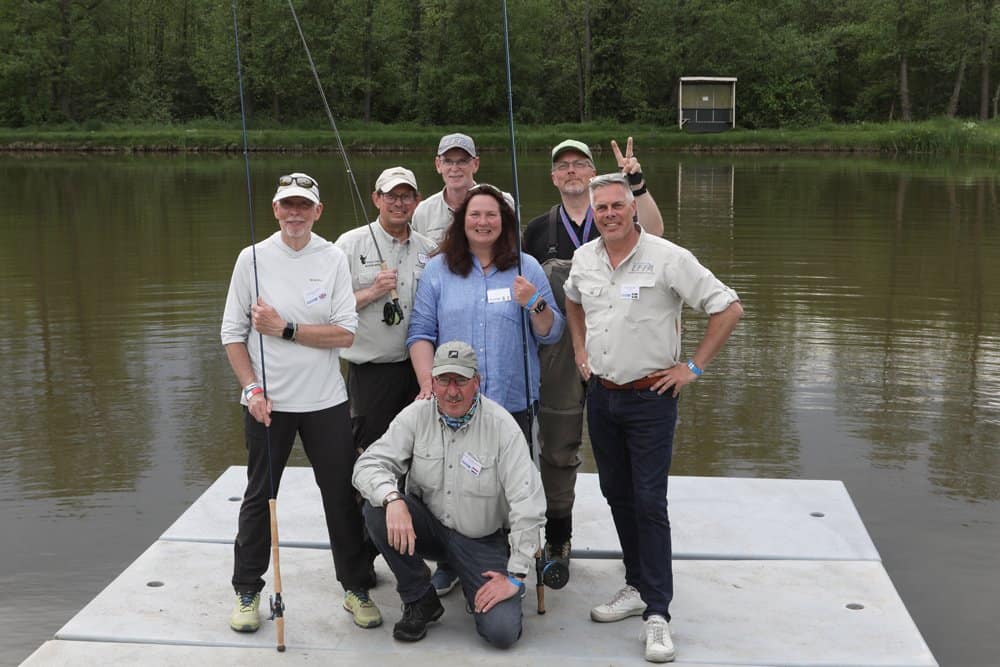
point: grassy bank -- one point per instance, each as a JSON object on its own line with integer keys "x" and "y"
{"x": 939, "y": 136}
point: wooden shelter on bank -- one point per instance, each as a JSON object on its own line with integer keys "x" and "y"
{"x": 706, "y": 103}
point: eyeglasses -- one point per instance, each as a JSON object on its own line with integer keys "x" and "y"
{"x": 447, "y": 382}
{"x": 301, "y": 181}
{"x": 579, "y": 165}
{"x": 460, "y": 162}
{"x": 405, "y": 198}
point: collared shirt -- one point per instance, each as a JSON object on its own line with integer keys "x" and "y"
{"x": 475, "y": 480}
{"x": 481, "y": 310}
{"x": 308, "y": 286}
{"x": 433, "y": 216}
{"x": 633, "y": 313}
{"x": 376, "y": 341}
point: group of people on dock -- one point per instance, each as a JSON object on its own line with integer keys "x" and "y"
{"x": 455, "y": 338}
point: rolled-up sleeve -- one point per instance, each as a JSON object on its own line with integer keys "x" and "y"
{"x": 424, "y": 316}
{"x": 699, "y": 287}
{"x": 236, "y": 316}
{"x": 343, "y": 307}
{"x": 526, "y": 498}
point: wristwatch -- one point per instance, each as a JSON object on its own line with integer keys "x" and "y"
{"x": 539, "y": 307}
{"x": 289, "y": 332}
{"x": 391, "y": 496}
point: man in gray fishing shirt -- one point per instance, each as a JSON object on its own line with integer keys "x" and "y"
{"x": 624, "y": 298}
{"x": 385, "y": 258}
{"x": 457, "y": 162}
{"x": 469, "y": 477}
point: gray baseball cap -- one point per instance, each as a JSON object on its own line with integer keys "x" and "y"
{"x": 455, "y": 357}
{"x": 457, "y": 140}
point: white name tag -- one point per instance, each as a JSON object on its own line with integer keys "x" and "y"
{"x": 314, "y": 295}
{"x": 472, "y": 464}
{"x": 498, "y": 295}
{"x": 630, "y": 292}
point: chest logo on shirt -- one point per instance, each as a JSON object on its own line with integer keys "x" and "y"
{"x": 641, "y": 267}
{"x": 362, "y": 258}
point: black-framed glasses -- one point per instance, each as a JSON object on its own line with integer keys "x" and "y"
{"x": 405, "y": 198}
{"x": 460, "y": 162}
{"x": 301, "y": 181}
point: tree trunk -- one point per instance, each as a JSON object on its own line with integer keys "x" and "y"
{"x": 984, "y": 63}
{"x": 996, "y": 100}
{"x": 368, "y": 51}
{"x": 904, "y": 90}
{"x": 957, "y": 89}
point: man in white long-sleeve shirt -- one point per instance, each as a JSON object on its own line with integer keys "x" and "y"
{"x": 304, "y": 314}
{"x": 469, "y": 478}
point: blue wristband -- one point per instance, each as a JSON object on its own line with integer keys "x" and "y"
{"x": 531, "y": 301}
{"x": 517, "y": 582}
{"x": 694, "y": 368}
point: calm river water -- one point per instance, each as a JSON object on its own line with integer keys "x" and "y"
{"x": 870, "y": 353}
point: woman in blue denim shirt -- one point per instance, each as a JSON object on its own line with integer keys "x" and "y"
{"x": 471, "y": 291}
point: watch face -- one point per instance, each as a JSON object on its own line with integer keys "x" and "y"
{"x": 540, "y": 307}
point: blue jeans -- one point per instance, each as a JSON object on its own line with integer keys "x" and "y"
{"x": 468, "y": 557}
{"x": 632, "y": 433}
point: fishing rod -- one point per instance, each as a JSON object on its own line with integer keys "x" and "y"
{"x": 553, "y": 574}
{"x": 392, "y": 312}
{"x": 277, "y": 605}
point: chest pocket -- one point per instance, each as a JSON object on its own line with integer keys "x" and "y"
{"x": 427, "y": 467}
{"x": 648, "y": 305}
{"x": 367, "y": 274}
{"x": 487, "y": 484}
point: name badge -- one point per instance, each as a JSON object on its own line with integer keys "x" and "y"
{"x": 498, "y": 295}
{"x": 472, "y": 464}
{"x": 314, "y": 295}
{"x": 630, "y": 292}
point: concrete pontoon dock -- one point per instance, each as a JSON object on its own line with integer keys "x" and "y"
{"x": 766, "y": 572}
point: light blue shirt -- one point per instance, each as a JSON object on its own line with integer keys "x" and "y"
{"x": 481, "y": 311}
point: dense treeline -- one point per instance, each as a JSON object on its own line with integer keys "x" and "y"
{"x": 440, "y": 62}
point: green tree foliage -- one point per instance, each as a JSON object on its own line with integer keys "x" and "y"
{"x": 799, "y": 62}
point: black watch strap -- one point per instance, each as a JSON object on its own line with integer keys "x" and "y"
{"x": 539, "y": 307}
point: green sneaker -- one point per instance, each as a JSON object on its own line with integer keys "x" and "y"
{"x": 245, "y": 617}
{"x": 366, "y": 614}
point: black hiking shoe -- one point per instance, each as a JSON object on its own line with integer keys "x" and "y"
{"x": 416, "y": 615}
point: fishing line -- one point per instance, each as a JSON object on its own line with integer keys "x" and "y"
{"x": 277, "y": 606}
{"x": 392, "y": 312}
{"x": 550, "y": 573}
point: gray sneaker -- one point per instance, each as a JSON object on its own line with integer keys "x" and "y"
{"x": 443, "y": 580}
{"x": 626, "y": 602}
{"x": 659, "y": 644}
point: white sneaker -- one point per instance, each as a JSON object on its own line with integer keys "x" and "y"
{"x": 625, "y": 603}
{"x": 659, "y": 645}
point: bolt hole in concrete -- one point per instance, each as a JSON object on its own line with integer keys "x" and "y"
{"x": 154, "y": 584}
{"x": 234, "y": 499}
{"x": 817, "y": 514}
{"x": 854, "y": 606}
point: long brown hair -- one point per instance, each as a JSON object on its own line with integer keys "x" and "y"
{"x": 455, "y": 246}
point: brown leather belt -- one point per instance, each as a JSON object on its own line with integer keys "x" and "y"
{"x": 641, "y": 383}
